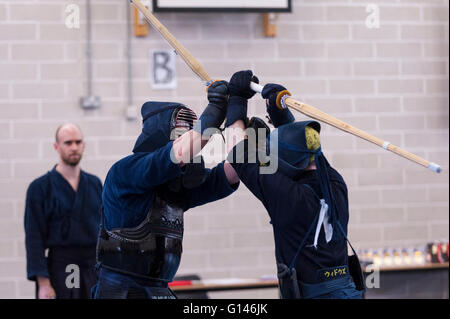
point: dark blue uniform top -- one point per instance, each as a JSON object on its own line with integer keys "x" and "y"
{"x": 58, "y": 216}
{"x": 292, "y": 208}
{"x": 131, "y": 184}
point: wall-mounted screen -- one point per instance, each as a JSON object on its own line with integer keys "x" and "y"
{"x": 222, "y": 5}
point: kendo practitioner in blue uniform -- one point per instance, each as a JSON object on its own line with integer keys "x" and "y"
{"x": 62, "y": 214}
{"x": 306, "y": 198}
{"x": 146, "y": 194}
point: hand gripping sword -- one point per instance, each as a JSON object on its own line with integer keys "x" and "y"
{"x": 285, "y": 100}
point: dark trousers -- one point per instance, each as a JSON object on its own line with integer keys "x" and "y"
{"x": 114, "y": 285}
{"x": 70, "y": 266}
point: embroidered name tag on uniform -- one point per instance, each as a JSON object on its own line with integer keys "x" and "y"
{"x": 332, "y": 272}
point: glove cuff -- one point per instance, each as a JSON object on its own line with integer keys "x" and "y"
{"x": 212, "y": 117}
{"x": 237, "y": 101}
{"x": 280, "y": 117}
{"x": 236, "y": 110}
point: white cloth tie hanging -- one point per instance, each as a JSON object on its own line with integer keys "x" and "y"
{"x": 323, "y": 220}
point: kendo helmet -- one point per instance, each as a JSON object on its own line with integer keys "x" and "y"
{"x": 298, "y": 142}
{"x": 163, "y": 122}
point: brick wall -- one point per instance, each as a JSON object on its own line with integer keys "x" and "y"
{"x": 391, "y": 82}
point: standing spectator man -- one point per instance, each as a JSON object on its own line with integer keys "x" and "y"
{"x": 62, "y": 214}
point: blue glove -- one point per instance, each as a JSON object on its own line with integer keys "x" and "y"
{"x": 277, "y": 116}
{"x": 214, "y": 113}
{"x": 240, "y": 92}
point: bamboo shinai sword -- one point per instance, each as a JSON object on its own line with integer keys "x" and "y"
{"x": 284, "y": 101}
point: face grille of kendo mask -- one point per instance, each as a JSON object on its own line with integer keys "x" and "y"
{"x": 183, "y": 120}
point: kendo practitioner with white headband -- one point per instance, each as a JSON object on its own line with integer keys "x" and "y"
{"x": 306, "y": 198}
{"x": 146, "y": 194}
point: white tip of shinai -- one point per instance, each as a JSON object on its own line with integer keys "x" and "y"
{"x": 434, "y": 167}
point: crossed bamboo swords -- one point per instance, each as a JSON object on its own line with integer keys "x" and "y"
{"x": 306, "y": 109}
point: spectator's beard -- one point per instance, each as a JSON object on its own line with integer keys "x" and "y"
{"x": 72, "y": 159}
